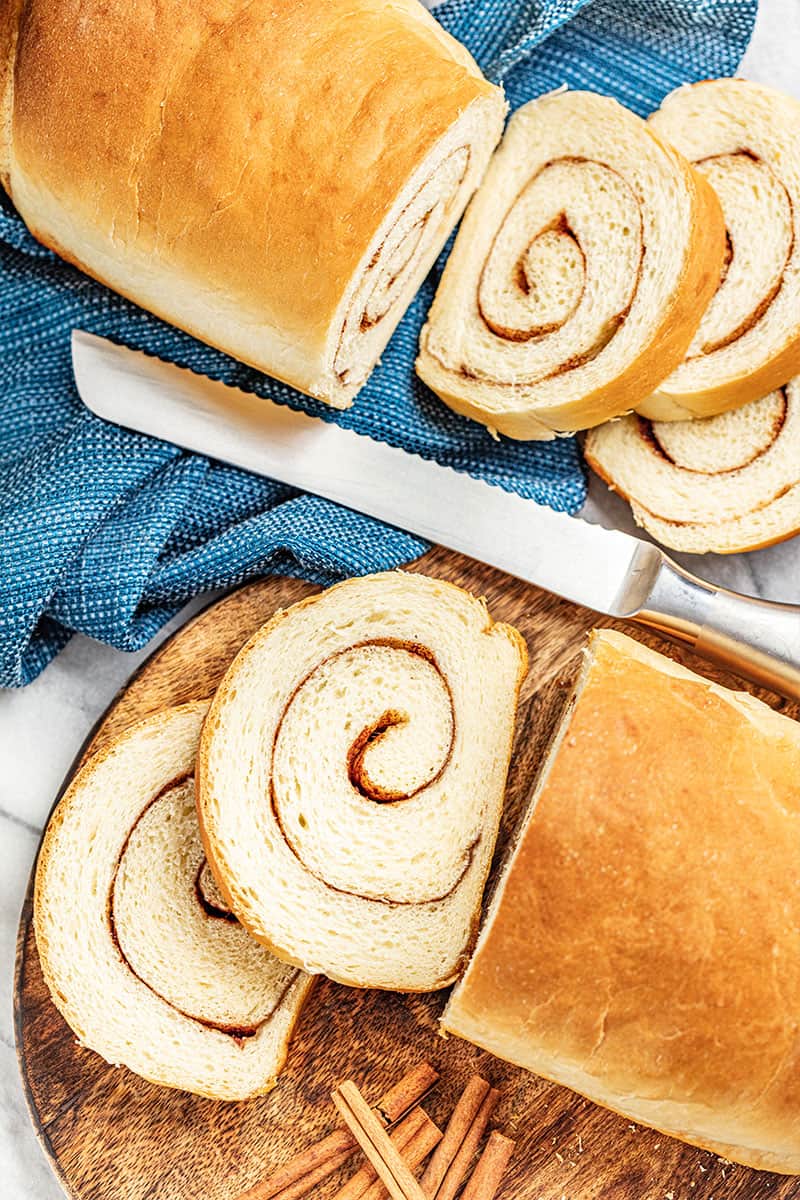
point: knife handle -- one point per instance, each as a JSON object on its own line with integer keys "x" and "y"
{"x": 758, "y": 639}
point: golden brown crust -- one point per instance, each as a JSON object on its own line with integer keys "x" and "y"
{"x": 752, "y": 386}
{"x": 644, "y": 948}
{"x": 10, "y": 12}
{"x": 247, "y": 150}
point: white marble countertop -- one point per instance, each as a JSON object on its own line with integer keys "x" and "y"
{"x": 43, "y": 726}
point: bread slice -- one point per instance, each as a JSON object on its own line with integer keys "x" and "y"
{"x": 579, "y": 275}
{"x": 721, "y": 484}
{"x": 141, "y": 955}
{"x": 351, "y": 775}
{"x": 273, "y": 177}
{"x": 745, "y": 139}
{"x": 643, "y": 946}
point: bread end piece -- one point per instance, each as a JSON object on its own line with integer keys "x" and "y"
{"x": 10, "y": 14}
{"x": 247, "y": 187}
{"x": 643, "y": 945}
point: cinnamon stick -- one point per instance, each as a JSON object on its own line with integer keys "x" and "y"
{"x": 335, "y": 1148}
{"x": 464, "y": 1113}
{"x": 395, "y": 1103}
{"x": 485, "y": 1179}
{"x": 415, "y": 1153}
{"x": 459, "y": 1167}
{"x": 373, "y": 1139}
{"x": 306, "y": 1184}
{"x": 414, "y": 1137}
{"x": 316, "y": 1163}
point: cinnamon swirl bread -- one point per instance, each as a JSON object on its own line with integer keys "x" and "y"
{"x": 579, "y": 275}
{"x": 643, "y": 944}
{"x": 721, "y": 484}
{"x": 745, "y": 140}
{"x": 141, "y": 954}
{"x": 276, "y": 178}
{"x": 351, "y": 775}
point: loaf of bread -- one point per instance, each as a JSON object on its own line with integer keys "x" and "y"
{"x": 643, "y": 945}
{"x": 351, "y": 776}
{"x": 141, "y": 954}
{"x": 274, "y": 177}
{"x": 745, "y": 139}
{"x": 579, "y": 275}
{"x": 721, "y": 484}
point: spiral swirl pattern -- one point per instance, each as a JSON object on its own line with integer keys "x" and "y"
{"x": 140, "y": 950}
{"x": 759, "y": 247}
{"x": 410, "y": 238}
{"x": 355, "y": 758}
{"x": 214, "y": 974}
{"x": 403, "y": 720}
{"x": 539, "y": 279}
{"x": 745, "y": 140}
{"x": 578, "y": 278}
{"x": 724, "y": 483}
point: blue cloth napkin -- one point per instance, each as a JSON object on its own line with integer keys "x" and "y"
{"x": 109, "y": 533}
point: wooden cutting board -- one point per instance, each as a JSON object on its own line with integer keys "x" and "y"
{"x": 111, "y": 1136}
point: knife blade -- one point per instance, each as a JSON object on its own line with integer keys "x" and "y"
{"x": 607, "y": 570}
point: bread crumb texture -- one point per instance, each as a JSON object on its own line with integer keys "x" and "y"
{"x": 351, "y": 778}
{"x": 141, "y": 954}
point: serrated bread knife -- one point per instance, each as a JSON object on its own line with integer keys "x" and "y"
{"x": 609, "y": 571}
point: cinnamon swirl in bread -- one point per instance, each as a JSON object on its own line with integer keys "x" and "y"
{"x": 351, "y": 775}
{"x": 643, "y": 945}
{"x": 276, "y": 178}
{"x": 745, "y": 140}
{"x": 579, "y": 275}
{"x": 721, "y": 484}
{"x": 141, "y": 954}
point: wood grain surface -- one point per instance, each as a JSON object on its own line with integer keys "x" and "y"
{"x": 111, "y": 1136}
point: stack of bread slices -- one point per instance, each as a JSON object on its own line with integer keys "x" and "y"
{"x": 333, "y": 810}
{"x": 640, "y": 280}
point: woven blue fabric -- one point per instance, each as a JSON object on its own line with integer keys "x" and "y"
{"x": 109, "y": 533}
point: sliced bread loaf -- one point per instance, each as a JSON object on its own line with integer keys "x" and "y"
{"x": 721, "y": 484}
{"x": 643, "y": 944}
{"x": 745, "y": 140}
{"x": 141, "y": 954}
{"x": 275, "y": 177}
{"x": 579, "y": 275}
{"x": 351, "y": 775}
